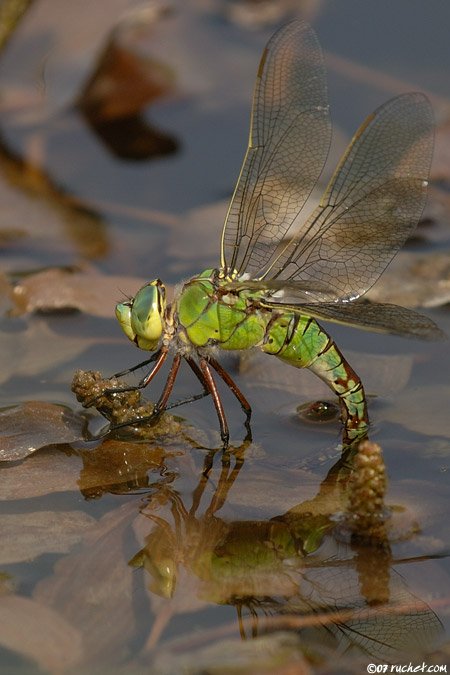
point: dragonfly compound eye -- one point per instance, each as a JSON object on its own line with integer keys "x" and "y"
{"x": 142, "y": 318}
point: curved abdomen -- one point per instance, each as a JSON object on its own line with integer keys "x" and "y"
{"x": 301, "y": 342}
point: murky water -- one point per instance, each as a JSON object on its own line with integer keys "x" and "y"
{"x": 123, "y": 556}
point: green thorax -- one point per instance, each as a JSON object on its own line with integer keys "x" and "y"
{"x": 208, "y": 315}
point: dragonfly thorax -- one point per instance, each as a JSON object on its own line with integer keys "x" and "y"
{"x": 142, "y": 317}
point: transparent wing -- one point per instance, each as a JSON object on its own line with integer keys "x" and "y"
{"x": 371, "y": 205}
{"x": 289, "y": 140}
{"x": 376, "y": 317}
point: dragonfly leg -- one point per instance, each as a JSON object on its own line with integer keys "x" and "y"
{"x": 194, "y": 397}
{"x": 245, "y": 405}
{"x": 152, "y": 358}
{"x": 161, "y": 405}
{"x": 160, "y": 357}
{"x": 211, "y": 385}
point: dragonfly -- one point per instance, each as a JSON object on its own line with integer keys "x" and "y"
{"x": 277, "y": 277}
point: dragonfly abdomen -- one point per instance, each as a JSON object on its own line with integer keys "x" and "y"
{"x": 301, "y": 342}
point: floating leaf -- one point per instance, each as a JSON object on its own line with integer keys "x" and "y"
{"x": 32, "y": 425}
{"x": 44, "y": 473}
{"x": 58, "y": 289}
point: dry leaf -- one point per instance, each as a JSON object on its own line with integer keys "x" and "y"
{"x": 44, "y": 473}
{"x": 29, "y": 426}
{"x": 57, "y": 289}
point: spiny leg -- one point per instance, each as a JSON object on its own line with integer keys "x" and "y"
{"x": 152, "y": 358}
{"x": 161, "y": 405}
{"x": 194, "y": 397}
{"x": 159, "y": 356}
{"x": 245, "y": 405}
{"x": 211, "y": 385}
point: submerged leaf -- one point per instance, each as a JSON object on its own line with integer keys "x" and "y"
{"x": 123, "y": 466}
{"x": 421, "y": 409}
{"x": 39, "y": 633}
{"x": 36, "y": 349}
{"x": 26, "y": 536}
{"x": 415, "y": 280}
{"x": 379, "y": 372}
{"x": 92, "y": 590}
{"x": 279, "y": 652}
{"x": 32, "y": 425}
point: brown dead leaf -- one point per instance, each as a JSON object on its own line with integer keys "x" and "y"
{"x": 26, "y": 536}
{"x": 32, "y": 425}
{"x": 46, "y": 472}
{"x": 39, "y": 633}
{"x": 125, "y": 79}
{"x": 58, "y": 289}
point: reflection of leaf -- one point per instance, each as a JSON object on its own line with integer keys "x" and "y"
{"x": 32, "y": 425}
{"x": 123, "y": 466}
{"x": 39, "y": 633}
{"x": 27, "y": 535}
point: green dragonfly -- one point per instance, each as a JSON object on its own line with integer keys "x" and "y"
{"x": 270, "y": 288}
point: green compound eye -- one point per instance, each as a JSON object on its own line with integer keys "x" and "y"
{"x": 123, "y": 314}
{"x": 141, "y": 319}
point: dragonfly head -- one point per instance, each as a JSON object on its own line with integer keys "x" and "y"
{"x": 142, "y": 317}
